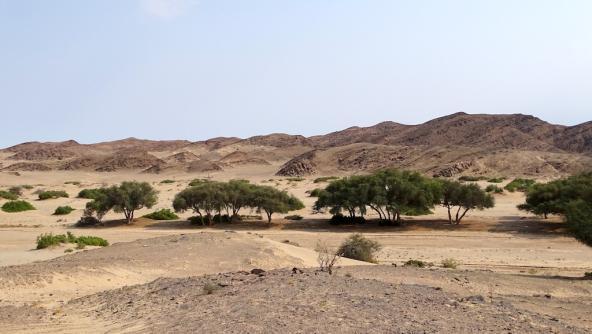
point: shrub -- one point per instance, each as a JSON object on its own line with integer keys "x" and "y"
{"x": 164, "y": 214}
{"x": 519, "y": 185}
{"x": 63, "y": 210}
{"x": 494, "y": 189}
{"x": 17, "y": 206}
{"x": 588, "y": 274}
{"x": 196, "y": 182}
{"x": 327, "y": 257}
{"x": 415, "y": 263}
{"x": 496, "y": 180}
{"x": 358, "y": 247}
{"x": 49, "y": 239}
{"x": 27, "y": 186}
{"x": 579, "y": 220}
{"x": 87, "y": 221}
{"x": 8, "y": 195}
{"x": 469, "y": 178}
{"x": 325, "y": 179}
{"x": 167, "y": 181}
{"x": 315, "y": 192}
{"x": 68, "y": 250}
{"x": 89, "y": 193}
{"x": 293, "y": 217}
{"x": 92, "y": 241}
{"x": 450, "y": 263}
{"x": 52, "y": 194}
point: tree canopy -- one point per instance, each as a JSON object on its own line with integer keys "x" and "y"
{"x": 570, "y": 197}
{"x": 125, "y": 198}
{"x": 207, "y": 198}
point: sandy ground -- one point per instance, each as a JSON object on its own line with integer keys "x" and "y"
{"x": 504, "y": 254}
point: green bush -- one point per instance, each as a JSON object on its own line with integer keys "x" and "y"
{"x": 197, "y": 220}
{"x": 8, "y": 195}
{"x": 416, "y": 263}
{"x": 49, "y": 239}
{"x": 167, "y": 181}
{"x": 579, "y": 220}
{"x": 360, "y": 248}
{"x": 470, "y": 178}
{"x": 325, "y": 179}
{"x": 164, "y": 214}
{"x": 17, "y": 206}
{"x": 89, "y": 193}
{"x": 315, "y": 192}
{"x": 496, "y": 180}
{"x": 27, "y": 186}
{"x": 52, "y": 194}
{"x": 196, "y": 182}
{"x": 293, "y": 217}
{"x": 221, "y": 219}
{"x": 63, "y": 210}
{"x": 519, "y": 184}
{"x": 588, "y": 274}
{"x": 494, "y": 189}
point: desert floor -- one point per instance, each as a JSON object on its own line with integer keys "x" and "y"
{"x": 525, "y": 267}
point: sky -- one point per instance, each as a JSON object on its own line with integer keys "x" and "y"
{"x": 99, "y": 70}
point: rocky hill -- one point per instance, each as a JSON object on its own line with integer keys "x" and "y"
{"x": 446, "y": 146}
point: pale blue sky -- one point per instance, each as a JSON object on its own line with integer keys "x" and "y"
{"x": 182, "y": 69}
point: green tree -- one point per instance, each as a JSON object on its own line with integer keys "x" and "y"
{"x": 271, "y": 200}
{"x": 128, "y": 197}
{"x": 463, "y": 197}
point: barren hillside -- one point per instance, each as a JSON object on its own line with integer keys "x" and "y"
{"x": 446, "y": 146}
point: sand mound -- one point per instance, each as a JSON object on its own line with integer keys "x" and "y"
{"x": 296, "y": 301}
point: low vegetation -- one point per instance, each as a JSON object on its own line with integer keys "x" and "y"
{"x": 49, "y": 240}
{"x": 522, "y": 185}
{"x": 63, "y": 210}
{"x": 570, "y": 197}
{"x": 17, "y": 206}
{"x": 470, "y": 178}
{"x": 17, "y": 190}
{"x": 52, "y": 194}
{"x": 89, "y": 193}
{"x": 325, "y": 179}
{"x": 360, "y": 248}
{"x": 327, "y": 257}
{"x": 167, "y": 181}
{"x": 163, "y": 214}
{"x": 8, "y": 195}
{"x": 294, "y": 217}
{"x": 492, "y": 188}
{"x": 496, "y": 180}
{"x": 210, "y": 198}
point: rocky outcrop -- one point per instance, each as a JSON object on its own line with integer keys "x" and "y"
{"x": 454, "y": 169}
{"x": 302, "y": 165}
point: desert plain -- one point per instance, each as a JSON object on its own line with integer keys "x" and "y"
{"x": 516, "y": 272}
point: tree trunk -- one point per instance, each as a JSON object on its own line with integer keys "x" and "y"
{"x": 449, "y": 215}
{"x": 269, "y": 213}
{"x": 463, "y": 215}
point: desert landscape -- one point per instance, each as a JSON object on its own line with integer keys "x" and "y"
{"x": 499, "y": 270}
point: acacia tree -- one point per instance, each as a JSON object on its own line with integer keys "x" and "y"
{"x": 544, "y": 199}
{"x": 203, "y": 198}
{"x": 463, "y": 197}
{"x": 271, "y": 200}
{"x": 128, "y": 197}
{"x": 239, "y": 194}
{"x": 131, "y": 196}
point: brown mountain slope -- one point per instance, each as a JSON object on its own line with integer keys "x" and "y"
{"x": 457, "y": 143}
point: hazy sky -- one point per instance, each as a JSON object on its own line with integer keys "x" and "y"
{"x": 184, "y": 69}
